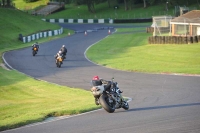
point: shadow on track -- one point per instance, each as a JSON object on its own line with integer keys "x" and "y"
{"x": 164, "y": 107}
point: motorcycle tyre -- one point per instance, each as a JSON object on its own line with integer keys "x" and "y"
{"x": 104, "y": 104}
{"x": 59, "y": 64}
{"x": 125, "y": 105}
{"x": 34, "y": 52}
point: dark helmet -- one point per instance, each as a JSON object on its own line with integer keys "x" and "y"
{"x": 95, "y": 78}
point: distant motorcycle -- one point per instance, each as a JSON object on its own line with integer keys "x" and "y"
{"x": 35, "y": 49}
{"x": 109, "y": 100}
{"x": 59, "y": 61}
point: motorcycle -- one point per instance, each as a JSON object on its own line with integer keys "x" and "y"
{"x": 34, "y": 51}
{"x": 59, "y": 61}
{"x": 109, "y": 100}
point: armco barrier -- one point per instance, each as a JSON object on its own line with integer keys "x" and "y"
{"x": 139, "y": 20}
{"x": 42, "y": 35}
{"x": 79, "y": 20}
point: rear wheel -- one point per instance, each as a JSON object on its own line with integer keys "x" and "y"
{"x": 104, "y": 101}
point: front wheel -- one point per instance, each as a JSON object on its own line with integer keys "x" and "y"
{"x": 104, "y": 101}
{"x": 59, "y": 64}
{"x": 34, "y": 52}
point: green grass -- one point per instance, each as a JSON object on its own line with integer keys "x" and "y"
{"x": 132, "y": 29}
{"x": 24, "y": 100}
{"x": 133, "y": 53}
{"x": 21, "y": 5}
{"x": 102, "y": 11}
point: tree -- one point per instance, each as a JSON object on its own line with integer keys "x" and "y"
{"x": 145, "y": 5}
{"x": 125, "y": 5}
{"x": 6, "y": 3}
{"x": 109, "y": 3}
{"x": 90, "y": 5}
{"x": 3, "y": 2}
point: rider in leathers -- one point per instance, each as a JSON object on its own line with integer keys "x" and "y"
{"x": 57, "y": 55}
{"x": 35, "y": 45}
{"x": 108, "y": 85}
{"x": 63, "y": 50}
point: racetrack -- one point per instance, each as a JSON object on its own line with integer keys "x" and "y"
{"x": 160, "y": 103}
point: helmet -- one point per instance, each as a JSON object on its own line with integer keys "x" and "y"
{"x": 63, "y": 45}
{"x": 95, "y": 78}
{"x": 60, "y": 52}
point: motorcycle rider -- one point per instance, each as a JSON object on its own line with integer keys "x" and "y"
{"x": 108, "y": 85}
{"x": 63, "y": 49}
{"x": 35, "y": 45}
{"x": 57, "y": 55}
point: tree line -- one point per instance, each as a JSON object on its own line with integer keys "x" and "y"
{"x": 129, "y": 4}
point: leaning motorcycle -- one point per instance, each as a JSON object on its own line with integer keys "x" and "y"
{"x": 34, "y": 51}
{"x": 59, "y": 61}
{"x": 109, "y": 100}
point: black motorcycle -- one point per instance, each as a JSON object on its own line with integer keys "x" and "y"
{"x": 109, "y": 100}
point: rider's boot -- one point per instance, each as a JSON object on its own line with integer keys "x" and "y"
{"x": 96, "y": 101}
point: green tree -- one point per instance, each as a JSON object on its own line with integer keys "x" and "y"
{"x": 90, "y": 5}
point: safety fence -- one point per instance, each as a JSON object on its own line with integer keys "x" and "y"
{"x": 173, "y": 39}
{"x": 79, "y": 20}
{"x": 39, "y": 35}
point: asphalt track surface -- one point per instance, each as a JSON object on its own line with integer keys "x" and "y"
{"x": 160, "y": 103}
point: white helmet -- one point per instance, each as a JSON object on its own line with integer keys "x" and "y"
{"x": 59, "y": 52}
{"x": 63, "y": 45}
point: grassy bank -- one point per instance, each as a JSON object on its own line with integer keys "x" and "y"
{"x": 133, "y": 53}
{"x": 15, "y": 22}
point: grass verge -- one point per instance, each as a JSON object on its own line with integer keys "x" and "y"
{"x": 24, "y": 100}
{"x": 133, "y": 53}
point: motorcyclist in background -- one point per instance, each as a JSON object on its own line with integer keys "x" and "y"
{"x": 64, "y": 51}
{"x": 108, "y": 85}
{"x": 36, "y": 45}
